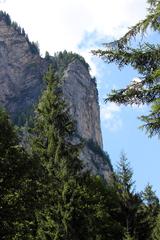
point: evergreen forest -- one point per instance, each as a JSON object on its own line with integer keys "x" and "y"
{"x": 46, "y": 192}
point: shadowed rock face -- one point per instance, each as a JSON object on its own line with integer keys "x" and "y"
{"x": 21, "y": 74}
{"x": 20, "y": 71}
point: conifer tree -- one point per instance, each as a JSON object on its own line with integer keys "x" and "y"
{"x": 134, "y": 213}
{"x": 129, "y": 201}
{"x": 156, "y": 230}
{"x": 151, "y": 207}
{"x": 146, "y": 60}
{"x": 17, "y": 185}
{"x": 53, "y": 145}
{"x": 76, "y": 204}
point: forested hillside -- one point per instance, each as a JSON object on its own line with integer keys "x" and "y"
{"x": 47, "y": 194}
{"x": 56, "y": 182}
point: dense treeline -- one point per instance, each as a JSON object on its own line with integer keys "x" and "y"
{"x": 45, "y": 192}
{"x": 34, "y": 47}
{"x": 61, "y": 60}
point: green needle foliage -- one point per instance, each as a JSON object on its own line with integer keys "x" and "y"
{"x": 146, "y": 60}
{"x": 136, "y": 212}
{"x": 156, "y": 231}
{"x": 151, "y": 207}
{"x": 18, "y": 198}
{"x": 75, "y": 205}
{"x": 49, "y": 194}
{"x": 52, "y": 144}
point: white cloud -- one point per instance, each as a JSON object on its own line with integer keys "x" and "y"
{"x": 108, "y": 110}
{"x": 136, "y": 80}
{"x": 110, "y": 116}
{"x": 59, "y": 25}
{"x": 77, "y": 25}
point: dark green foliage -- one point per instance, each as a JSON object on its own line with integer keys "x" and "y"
{"x": 76, "y": 205}
{"x": 18, "y": 199}
{"x": 136, "y": 213}
{"x": 94, "y": 218}
{"x": 34, "y": 47}
{"x": 145, "y": 58}
{"x": 50, "y": 196}
{"x": 128, "y": 201}
{"x": 151, "y": 207}
{"x": 52, "y": 144}
{"x": 61, "y": 60}
{"x": 5, "y": 17}
{"x": 156, "y": 230}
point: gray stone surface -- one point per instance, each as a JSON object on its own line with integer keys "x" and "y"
{"x": 81, "y": 94}
{"x": 21, "y": 74}
{"x": 20, "y": 71}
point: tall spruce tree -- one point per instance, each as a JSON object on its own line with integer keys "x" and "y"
{"x": 62, "y": 177}
{"x": 59, "y": 159}
{"x": 76, "y": 205}
{"x": 134, "y": 212}
{"x": 146, "y": 60}
{"x": 151, "y": 207}
{"x": 129, "y": 201}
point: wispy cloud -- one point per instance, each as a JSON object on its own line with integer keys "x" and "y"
{"x": 62, "y": 24}
{"x": 90, "y": 41}
{"x": 77, "y": 26}
{"x": 2, "y": 1}
{"x": 110, "y": 116}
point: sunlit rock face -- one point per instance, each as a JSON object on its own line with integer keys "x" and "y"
{"x": 81, "y": 94}
{"x": 21, "y": 83}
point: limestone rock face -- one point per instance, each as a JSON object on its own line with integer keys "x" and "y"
{"x": 81, "y": 94}
{"x": 21, "y": 74}
{"x": 20, "y": 71}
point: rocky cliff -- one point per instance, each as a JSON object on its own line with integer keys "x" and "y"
{"x": 82, "y": 96}
{"x": 21, "y": 69}
{"x": 21, "y": 74}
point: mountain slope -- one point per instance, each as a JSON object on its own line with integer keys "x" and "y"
{"x": 21, "y": 83}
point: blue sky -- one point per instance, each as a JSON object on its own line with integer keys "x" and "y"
{"x": 120, "y": 124}
{"x": 82, "y": 25}
{"x": 142, "y": 152}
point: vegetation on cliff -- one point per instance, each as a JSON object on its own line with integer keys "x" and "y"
{"x": 47, "y": 194}
{"x": 6, "y": 18}
{"x": 45, "y": 190}
{"x": 61, "y": 60}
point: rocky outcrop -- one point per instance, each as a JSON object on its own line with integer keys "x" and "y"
{"x": 21, "y": 74}
{"x": 81, "y": 94}
{"x": 20, "y": 71}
